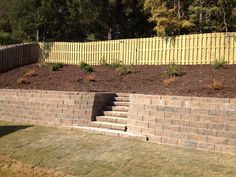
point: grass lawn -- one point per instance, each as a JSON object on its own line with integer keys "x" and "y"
{"x": 90, "y": 155}
{"x": 14, "y": 168}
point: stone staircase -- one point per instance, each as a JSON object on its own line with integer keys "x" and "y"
{"x": 113, "y": 120}
{"x": 115, "y": 114}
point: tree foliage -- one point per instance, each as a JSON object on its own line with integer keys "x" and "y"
{"x": 89, "y": 20}
{"x": 72, "y": 20}
{"x": 173, "y": 17}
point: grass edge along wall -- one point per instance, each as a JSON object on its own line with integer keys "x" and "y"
{"x": 183, "y": 50}
{"x": 195, "y": 122}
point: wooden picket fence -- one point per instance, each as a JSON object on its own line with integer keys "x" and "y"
{"x": 18, "y": 55}
{"x": 184, "y": 50}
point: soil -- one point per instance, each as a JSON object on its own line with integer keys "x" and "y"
{"x": 144, "y": 80}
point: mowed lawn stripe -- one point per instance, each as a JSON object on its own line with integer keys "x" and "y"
{"x": 92, "y": 155}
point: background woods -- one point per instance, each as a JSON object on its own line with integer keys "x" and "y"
{"x": 91, "y": 20}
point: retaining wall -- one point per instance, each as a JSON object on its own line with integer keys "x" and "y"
{"x": 51, "y": 107}
{"x": 202, "y": 123}
{"x": 195, "y": 122}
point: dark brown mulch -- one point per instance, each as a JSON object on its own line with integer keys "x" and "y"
{"x": 145, "y": 79}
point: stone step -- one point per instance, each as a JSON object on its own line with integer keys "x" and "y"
{"x": 117, "y": 108}
{"x": 109, "y": 125}
{"x": 119, "y": 103}
{"x": 122, "y": 99}
{"x": 115, "y": 114}
{"x": 112, "y": 119}
{"x": 122, "y": 94}
{"x": 109, "y": 132}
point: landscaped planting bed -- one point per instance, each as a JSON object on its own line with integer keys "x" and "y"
{"x": 193, "y": 81}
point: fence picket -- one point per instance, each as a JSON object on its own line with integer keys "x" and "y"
{"x": 183, "y": 50}
{"x": 18, "y": 55}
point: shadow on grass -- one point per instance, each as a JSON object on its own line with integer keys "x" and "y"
{"x": 7, "y": 129}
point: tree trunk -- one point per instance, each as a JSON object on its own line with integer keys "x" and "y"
{"x": 201, "y": 16}
{"x": 179, "y": 9}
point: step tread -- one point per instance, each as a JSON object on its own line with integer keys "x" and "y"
{"x": 116, "y": 112}
{"x": 122, "y": 94}
{"x": 117, "y": 108}
{"x": 126, "y": 107}
{"x": 108, "y": 123}
{"x": 113, "y": 117}
{"x": 119, "y": 103}
{"x": 121, "y": 99}
{"x": 110, "y": 131}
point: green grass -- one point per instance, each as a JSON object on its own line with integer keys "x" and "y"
{"x": 91, "y": 155}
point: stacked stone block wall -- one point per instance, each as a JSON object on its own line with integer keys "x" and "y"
{"x": 51, "y": 108}
{"x": 195, "y": 122}
{"x": 202, "y": 123}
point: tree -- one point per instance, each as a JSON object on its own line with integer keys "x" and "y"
{"x": 228, "y": 14}
{"x": 169, "y": 16}
{"x": 20, "y": 20}
{"x": 89, "y": 20}
{"x": 5, "y": 30}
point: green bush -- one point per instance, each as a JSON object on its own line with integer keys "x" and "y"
{"x": 24, "y": 70}
{"x": 88, "y": 69}
{"x": 57, "y": 66}
{"x": 124, "y": 70}
{"x": 61, "y": 65}
{"x": 103, "y": 62}
{"x": 116, "y": 64}
{"x": 83, "y": 65}
{"x": 217, "y": 64}
{"x": 172, "y": 70}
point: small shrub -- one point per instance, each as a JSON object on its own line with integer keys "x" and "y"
{"x": 124, "y": 70}
{"x": 103, "y": 62}
{"x": 30, "y": 73}
{"x": 172, "y": 70}
{"x": 57, "y": 66}
{"x": 88, "y": 69}
{"x": 61, "y": 65}
{"x": 169, "y": 81}
{"x": 22, "y": 80}
{"x": 215, "y": 85}
{"x": 83, "y": 65}
{"x": 116, "y": 64}
{"x": 217, "y": 64}
{"x": 42, "y": 64}
{"x": 90, "y": 78}
{"x": 24, "y": 70}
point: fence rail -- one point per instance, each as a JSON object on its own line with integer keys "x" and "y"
{"x": 183, "y": 50}
{"x": 18, "y": 55}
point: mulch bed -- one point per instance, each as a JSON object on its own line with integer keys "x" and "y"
{"x": 145, "y": 80}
